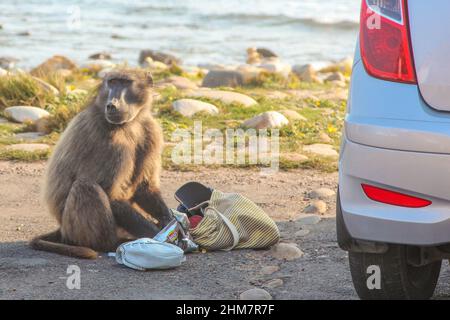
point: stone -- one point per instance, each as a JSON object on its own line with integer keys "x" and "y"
{"x": 100, "y": 56}
{"x": 301, "y": 233}
{"x": 30, "y": 136}
{"x": 286, "y": 251}
{"x": 181, "y": 83}
{"x": 8, "y": 63}
{"x": 317, "y": 206}
{"x": 47, "y": 87}
{"x": 155, "y": 65}
{"x": 294, "y": 157}
{"x": 266, "y": 120}
{"x": 165, "y": 58}
{"x": 344, "y": 66}
{"x": 268, "y": 270}
{"x": 321, "y": 150}
{"x": 277, "y": 95}
{"x": 189, "y": 107}
{"x": 28, "y": 147}
{"x": 274, "y": 283}
{"x": 306, "y": 73}
{"x": 293, "y": 115}
{"x": 335, "y": 76}
{"x": 24, "y": 113}
{"x": 3, "y": 120}
{"x": 54, "y": 64}
{"x": 253, "y": 57}
{"x": 323, "y": 137}
{"x": 308, "y": 219}
{"x": 322, "y": 193}
{"x": 223, "y": 78}
{"x": 266, "y": 53}
{"x": 255, "y": 294}
{"x": 227, "y": 97}
{"x": 276, "y": 66}
{"x": 64, "y": 73}
{"x": 98, "y": 65}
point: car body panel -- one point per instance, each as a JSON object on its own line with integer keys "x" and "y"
{"x": 430, "y": 34}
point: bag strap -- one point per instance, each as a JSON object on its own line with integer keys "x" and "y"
{"x": 231, "y": 227}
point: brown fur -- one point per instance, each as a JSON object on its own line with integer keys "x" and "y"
{"x": 99, "y": 171}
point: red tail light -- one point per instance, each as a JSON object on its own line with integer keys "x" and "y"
{"x": 394, "y": 198}
{"x": 385, "y": 40}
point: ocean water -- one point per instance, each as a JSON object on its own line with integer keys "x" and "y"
{"x": 198, "y": 31}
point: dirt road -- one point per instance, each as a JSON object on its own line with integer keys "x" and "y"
{"x": 322, "y": 273}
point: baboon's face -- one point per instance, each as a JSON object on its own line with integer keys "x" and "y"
{"x": 123, "y": 95}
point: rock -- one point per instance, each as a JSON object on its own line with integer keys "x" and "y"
{"x": 181, "y": 83}
{"x": 249, "y": 72}
{"x": 277, "y": 95}
{"x": 165, "y": 58}
{"x": 98, "y": 65}
{"x": 27, "y": 147}
{"x": 276, "y": 66}
{"x": 23, "y": 113}
{"x": 274, "y": 283}
{"x": 154, "y": 65}
{"x": 323, "y": 137}
{"x": 294, "y": 157}
{"x": 293, "y": 115}
{"x": 30, "y": 136}
{"x": 223, "y": 78}
{"x": 286, "y": 251}
{"x": 266, "y": 53}
{"x": 253, "y": 57}
{"x": 266, "y": 120}
{"x": 3, "y": 72}
{"x": 336, "y": 76}
{"x": 3, "y": 120}
{"x": 268, "y": 270}
{"x": 54, "y": 64}
{"x": 322, "y": 193}
{"x": 100, "y": 56}
{"x": 308, "y": 219}
{"x": 255, "y": 294}
{"x": 189, "y": 107}
{"x": 301, "y": 233}
{"x": 321, "y": 150}
{"x": 318, "y": 207}
{"x": 224, "y": 96}
{"x": 8, "y": 63}
{"x": 47, "y": 87}
{"x": 306, "y": 73}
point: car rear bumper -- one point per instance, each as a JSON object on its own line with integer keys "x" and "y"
{"x": 421, "y": 174}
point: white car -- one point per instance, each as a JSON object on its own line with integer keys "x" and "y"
{"x": 393, "y": 209}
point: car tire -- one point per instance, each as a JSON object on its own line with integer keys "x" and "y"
{"x": 398, "y": 279}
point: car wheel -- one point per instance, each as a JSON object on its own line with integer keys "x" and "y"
{"x": 398, "y": 279}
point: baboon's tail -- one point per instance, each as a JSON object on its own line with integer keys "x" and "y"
{"x": 52, "y": 242}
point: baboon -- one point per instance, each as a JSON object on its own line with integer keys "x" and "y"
{"x": 103, "y": 175}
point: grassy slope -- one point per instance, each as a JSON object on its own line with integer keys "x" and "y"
{"x": 324, "y": 115}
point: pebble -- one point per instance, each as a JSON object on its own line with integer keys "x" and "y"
{"x": 321, "y": 193}
{"x": 255, "y": 294}
{"x": 274, "y": 283}
{"x": 286, "y": 251}
{"x": 309, "y": 219}
{"x": 318, "y": 206}
{"x": 268, "y": 270}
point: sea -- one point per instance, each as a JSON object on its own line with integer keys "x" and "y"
{"x": 197, "y": 31}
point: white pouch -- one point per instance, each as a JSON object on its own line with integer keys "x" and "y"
{"x": 143, "y": 254}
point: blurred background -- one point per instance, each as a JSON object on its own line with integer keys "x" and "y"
{"x": 199, "y": 31}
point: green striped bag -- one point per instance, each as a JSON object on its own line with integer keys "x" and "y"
{"x": 231, "y": 221}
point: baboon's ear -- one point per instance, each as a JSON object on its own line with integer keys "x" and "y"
{"x": 149, "y": 78}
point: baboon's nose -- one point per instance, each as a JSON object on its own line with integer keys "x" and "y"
{"x": 111, "y": 108}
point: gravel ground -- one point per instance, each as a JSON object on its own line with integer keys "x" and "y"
{"x": 322, "y": 272}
